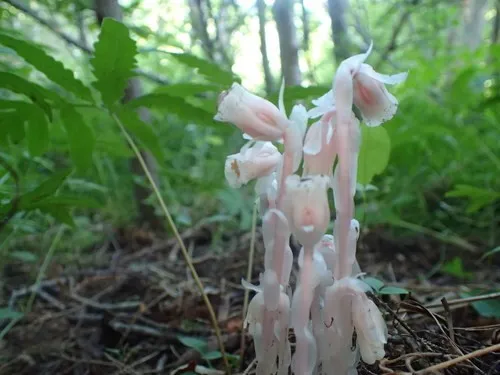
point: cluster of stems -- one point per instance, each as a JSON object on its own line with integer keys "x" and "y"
{"x": 329, "y": 302}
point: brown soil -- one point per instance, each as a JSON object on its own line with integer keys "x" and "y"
{"x": 125, "y": 314}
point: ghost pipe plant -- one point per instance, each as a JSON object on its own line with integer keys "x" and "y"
{"x": 329, "y": 302}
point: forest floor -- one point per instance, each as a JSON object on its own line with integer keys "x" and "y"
{"x": 133, "y": 308}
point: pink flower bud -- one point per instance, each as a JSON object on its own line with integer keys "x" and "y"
{"x": 252, "y": 162}
{"x": 255, "y": 116}
{"x": 306, "y": 206}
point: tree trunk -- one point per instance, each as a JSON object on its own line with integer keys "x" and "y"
{"x": 337, "y": 9}
{"x": 199, "y": 24}
{"x": 261, "y": 10}
{"x": 473, "y": 22}
{"x": 495, "y": 31}
{"x": 111, "y": 8}
{"x": 287, "y": 33}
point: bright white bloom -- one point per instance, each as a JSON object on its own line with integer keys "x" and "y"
{"x": 251, "y": 162}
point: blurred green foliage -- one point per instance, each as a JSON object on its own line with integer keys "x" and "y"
{"x": 433, "y": 168}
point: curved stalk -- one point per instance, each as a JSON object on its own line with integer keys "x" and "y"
{"x": 249, "y": 277}
{"x": 184, "y": 250}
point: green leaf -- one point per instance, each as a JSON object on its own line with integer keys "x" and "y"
{"x": 478, "y": 197}
{"x": 487, "y": 308}
{"x": 176, "y": 106}
{"x": 23, "y": 256}
{"x": 12, "y": 124}
{"x": 374, "y": 283}
{"x": 210, "y": 356}
{"x": 455, "y": 268}
{"x": 80, "y": 137}
{"x": 393, "y": 290}
{"x": 7, "y": 313}
{"x": 45, "y": 189}
{"x": 37, "y": 132}
{"x": 52, "y": 68}
{"x": 142, "y": 131}
{"x": 187, "y": 89}
{"x": 194, "y": 343}
{"x": 61, "y": 214}
{"x": 36, "y": 93}
{"x": 210, "y": 70}
{"x": 64, "y": 201}
{"x": 374, "y": 154}
{"x": 113, "y": 61}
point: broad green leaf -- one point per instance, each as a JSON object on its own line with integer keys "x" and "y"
{"x": 110, "y": 145}
{"x": 36, "y": 93}
{"x": 113, "y": 61}
{"x": 188, "y": 89}
{"x": 60, "y": 213}
{"x": 12, "y": 124}
{"x": 37, "y": 132}
{"x": 80, "y": 136}
{"x": 7, "y": 313}
{"x": 210, "y": 356}
{"x": 194, "y": 343}
{"x": 46, "y": 188}
{"x": 392, "y": 290}
{"x": 210, "y": 70}
{"x": 176, "y": 106}
{"x": 23, "y": 256}
{"x": 142, "y": 131}
{"x": 487, "y": 308}
{"x": 374, "y": 154}
{"x": 52, "y": 68}
{"x": 374, "y": 283}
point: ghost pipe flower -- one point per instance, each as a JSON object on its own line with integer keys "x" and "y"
{"x": 329, "y": 303}
{"x": 377, "y": 105}
{"x": 255, "y": 116}
{"x": 261, "y": 120}
{"x": 306, "y": 206}
{"x": 255, "y": 322}
{"x": 251, "y": 162}
{"x": 355, "y": 83}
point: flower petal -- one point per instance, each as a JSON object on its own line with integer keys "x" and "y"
{"x": 281, "y": 99}
{"x": 313, "y": 141}
{"x": 299, "y": 117}
{"x": 387, "y": 79}
{"x": 377, "y": 105}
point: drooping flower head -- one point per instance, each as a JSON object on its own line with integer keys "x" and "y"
{"x": 258, "y": 118}
{"x": 251, "y": 162}
{"x": 367, "y": 91}
{"x": 377, "y": 105}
